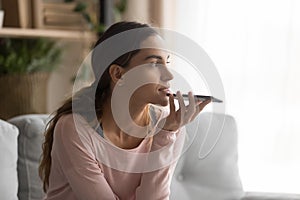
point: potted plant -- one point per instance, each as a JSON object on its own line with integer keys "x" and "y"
{"x": 25, "y": 66}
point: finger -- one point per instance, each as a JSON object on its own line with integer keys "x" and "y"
{"x": 196, "y": 112}
{"x": 198, "y": 102}
{"x": 172, "y": 104}
{"x": 191, "y": 107}
{"x": 204, "y": 103}
{"x": 181, "y": 111}
{"x": 200, "y": 107}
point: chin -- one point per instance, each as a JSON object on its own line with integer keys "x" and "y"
{"x": 161, "y": 102}
{"x": 159, "y": 99}
{"x": 165, "y": 103}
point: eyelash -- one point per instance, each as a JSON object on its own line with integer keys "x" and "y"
{"x": 154, "y": 64}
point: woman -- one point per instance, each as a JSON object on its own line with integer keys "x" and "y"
{"x": 108, "y": 155}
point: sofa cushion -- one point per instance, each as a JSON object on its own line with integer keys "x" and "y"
{"x": 208, "y": 169}
{"x": 31, "y": 128}
{"x": 8, "y": 161}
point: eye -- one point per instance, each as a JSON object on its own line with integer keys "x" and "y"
{"x": 154, "y": 64}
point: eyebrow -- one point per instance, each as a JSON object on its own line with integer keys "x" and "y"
{"x": 156, "y": 57}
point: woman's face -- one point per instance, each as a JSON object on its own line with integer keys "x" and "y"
{"x": 151, "y": 66}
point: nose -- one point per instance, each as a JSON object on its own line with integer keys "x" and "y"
{"x": 166, "y": 75}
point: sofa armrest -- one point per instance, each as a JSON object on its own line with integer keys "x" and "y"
{"x": 30, "y": 140}
{"x": 270, "y": 196}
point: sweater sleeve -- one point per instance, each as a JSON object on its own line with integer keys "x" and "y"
{"x": 156, "y": 184}
{"x": 78, "y": 163}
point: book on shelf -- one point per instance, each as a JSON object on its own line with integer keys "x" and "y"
{"x": 58, "y": 16}
{"x": 17, "y": 13}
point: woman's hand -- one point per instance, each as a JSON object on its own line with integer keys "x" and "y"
{"x": 184, "y": 114}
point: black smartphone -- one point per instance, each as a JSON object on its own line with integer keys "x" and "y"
{"x": 200, "y": 97}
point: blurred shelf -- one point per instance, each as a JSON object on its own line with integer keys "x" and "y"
{"x": 55, "y": 34}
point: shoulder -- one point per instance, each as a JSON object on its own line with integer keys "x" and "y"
{"x": 71, "y": 125}
{"x": 73, "y": 132}
{"x": 71, "y": 120}
{"x": 66, "y": 122}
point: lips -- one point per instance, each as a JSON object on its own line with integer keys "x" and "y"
{"x": 165, "y": 90}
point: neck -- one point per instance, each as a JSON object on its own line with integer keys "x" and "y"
{"x": 139, "y": 115}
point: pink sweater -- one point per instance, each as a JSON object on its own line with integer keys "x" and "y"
{"x": 88, "y": 167}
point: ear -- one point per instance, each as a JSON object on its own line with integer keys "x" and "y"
{"x": 116, "y": 72}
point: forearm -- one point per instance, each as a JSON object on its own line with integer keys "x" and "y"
{"x": 156, "y": 184}
{"x": 165, "y": 151}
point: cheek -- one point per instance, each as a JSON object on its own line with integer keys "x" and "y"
{"x": 143, "y": 75}
{"x": 152, "y": 76}
{"x": 146, "y": 80}
{"x": 147, "y": 92}
{"x": 148, "y": 88}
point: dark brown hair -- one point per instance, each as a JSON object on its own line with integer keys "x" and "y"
{"x": 102, "y": 91}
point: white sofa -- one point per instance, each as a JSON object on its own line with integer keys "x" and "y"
{"x": 214, "y": 177}
{"x": 21, "y": 139}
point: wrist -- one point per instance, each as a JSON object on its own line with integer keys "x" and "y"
{"x": 165, "y": 127}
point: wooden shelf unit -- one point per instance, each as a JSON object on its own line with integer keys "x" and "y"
{"x": 55, "y": 34}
